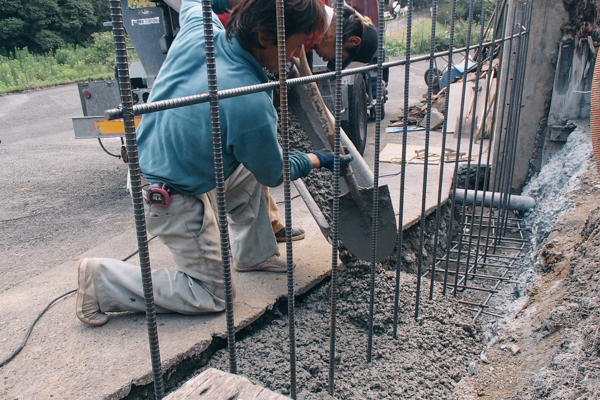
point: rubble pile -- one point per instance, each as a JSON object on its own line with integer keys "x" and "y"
{"x": 476, "y": 108}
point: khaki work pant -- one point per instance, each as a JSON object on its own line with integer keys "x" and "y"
{"x": 276, "y": 221}
{"x": 189, "y": 228}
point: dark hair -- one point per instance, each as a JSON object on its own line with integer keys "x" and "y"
{"x": 353, "y": 25}
{"x": 252, "y": 17}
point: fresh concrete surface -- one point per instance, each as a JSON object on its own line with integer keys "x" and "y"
{"x": 65, "y": 359}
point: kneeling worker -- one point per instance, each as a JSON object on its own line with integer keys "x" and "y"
{"x": 175, "y": 148}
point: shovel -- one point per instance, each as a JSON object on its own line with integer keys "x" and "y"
{"x": 356, "y": 206}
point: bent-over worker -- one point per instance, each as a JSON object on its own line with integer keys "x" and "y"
{"x": 359, "y": 44}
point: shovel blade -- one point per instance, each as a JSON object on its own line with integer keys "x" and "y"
{"x": 356, "y": 224}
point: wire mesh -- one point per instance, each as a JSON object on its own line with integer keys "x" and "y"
{"x": 484, "y": 250}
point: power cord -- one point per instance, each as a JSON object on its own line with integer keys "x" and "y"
{"x": 295, "y": 197}
{"x": 24, "y": 341}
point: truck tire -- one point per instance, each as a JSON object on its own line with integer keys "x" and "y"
{"x": 356, "y": 126}
{"x": 373, "y": 113}
{"x": 435, "y": 79}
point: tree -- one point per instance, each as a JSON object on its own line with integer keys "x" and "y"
{"x": 44, "y": 25}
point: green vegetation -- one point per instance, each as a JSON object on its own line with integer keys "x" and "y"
{"x": 46, "y": 25}
{"x": 421, "y": 30}
{"x": 421, "y": 37}
{"x": 21, "y": 69}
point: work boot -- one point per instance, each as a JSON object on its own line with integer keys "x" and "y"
{"x": 87, "y": 307}
{"x": 271, "y": 264}
{"x": 297, "y": 234}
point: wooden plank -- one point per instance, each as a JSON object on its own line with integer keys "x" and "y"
{"x": 454, "y": 106}
{"x": 213, "y": 384}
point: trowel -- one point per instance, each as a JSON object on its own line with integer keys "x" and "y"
{"x": 356, "y": 206}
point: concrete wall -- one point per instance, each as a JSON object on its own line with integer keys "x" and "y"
{"x": 548, "y": 17}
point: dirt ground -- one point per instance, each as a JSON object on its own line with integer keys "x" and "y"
{"x": 551, "y": 348}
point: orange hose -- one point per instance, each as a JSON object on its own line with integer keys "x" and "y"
{"x": 595, "y": 115}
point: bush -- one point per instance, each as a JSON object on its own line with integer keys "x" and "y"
{"x": 20, "y": 69}
{"x": 421, "y": 37}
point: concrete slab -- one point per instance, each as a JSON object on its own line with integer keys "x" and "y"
{"x": 67, "y": 360}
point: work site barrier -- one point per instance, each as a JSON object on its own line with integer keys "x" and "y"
{"x": 473, "y": 238}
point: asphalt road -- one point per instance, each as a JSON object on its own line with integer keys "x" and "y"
{"x": 61, "y": 196}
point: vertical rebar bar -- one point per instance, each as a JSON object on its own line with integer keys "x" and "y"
{"x": 468, "y": 169}
{"x": 375, "y": 209}
{"x": 470, "y": 152}
{"x": 443, "y": 159}
{"x": 339, "y": 4}
{"x": 501, "y": 140}
{"x": 483, "y": 124}
{"x": 403, "y": 168}
{"x": 284, "y": 121}
{"x": 426, "y": 161}
{"x": 215, "y": 123}
{"x": 458, "y": 140}
{"x": 443, "y": 151}
{"x": 136, "y": 190}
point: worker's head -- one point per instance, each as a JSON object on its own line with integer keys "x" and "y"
{"x": 254, "y": 24}
{"x": 359, "y": 39}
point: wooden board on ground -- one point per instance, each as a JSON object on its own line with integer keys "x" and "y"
{"x": 392, "y": 153}
{"x": 213, "y": 384}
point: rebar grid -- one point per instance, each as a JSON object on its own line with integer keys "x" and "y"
{"x": 483, "y": 267}
{"x": 485, "y": 277}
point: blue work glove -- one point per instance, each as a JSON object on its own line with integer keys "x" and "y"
{"x": 325, "y": 157}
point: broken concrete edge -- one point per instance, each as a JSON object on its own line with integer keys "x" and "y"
{"x": 428, "y": 212}
{"x": 193, "y": 355}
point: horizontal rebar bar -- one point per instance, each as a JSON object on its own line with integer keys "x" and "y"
{"x": 162, "y": 105}
{"x": 499, "y": 246}
{"x": 486, "y": 264}
{"x": 473, "y": 304}
{"x": 487, "y": 313}
{"x": 492, "y": 255}
{"x": 482, "y": 276}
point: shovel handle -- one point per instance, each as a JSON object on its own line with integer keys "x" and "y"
{"x": 326, "y": 120}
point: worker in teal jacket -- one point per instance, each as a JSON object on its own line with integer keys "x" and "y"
{"x": 175, "y": 154}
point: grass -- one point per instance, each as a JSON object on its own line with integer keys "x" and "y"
{"x": 421, "y": 37}
{"x": 22, "y": 70}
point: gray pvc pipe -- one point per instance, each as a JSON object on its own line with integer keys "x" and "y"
{"x": 515, "y": 203}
